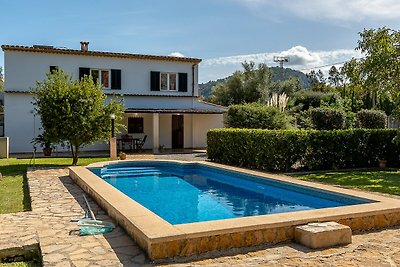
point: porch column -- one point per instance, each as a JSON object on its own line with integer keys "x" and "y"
{"x": 156, "y": 132}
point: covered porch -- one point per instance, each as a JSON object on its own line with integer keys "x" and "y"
{"x": 171, "y": 129}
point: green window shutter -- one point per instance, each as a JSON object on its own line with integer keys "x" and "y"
{"x": 183, "y": 82}
{"x": 53, "y": 68}
{"x": 83, "y": 72}
{"x": 155, "y": 81}
{"x": 115, "y": 79}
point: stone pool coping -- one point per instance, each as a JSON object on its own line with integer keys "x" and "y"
{"x": 160, "y": 239}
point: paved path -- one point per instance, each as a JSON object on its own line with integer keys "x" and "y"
{"x": 56, "y": 199}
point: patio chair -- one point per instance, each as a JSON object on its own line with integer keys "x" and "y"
{"x": 127, "y": 143}
{"x": 140, "y": 143}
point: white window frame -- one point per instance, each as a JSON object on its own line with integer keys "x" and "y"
{"x": 99, "y": 79}
{"x": 168, "y": 83}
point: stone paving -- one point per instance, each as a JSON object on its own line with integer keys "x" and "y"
{"x": 56, "y": 199}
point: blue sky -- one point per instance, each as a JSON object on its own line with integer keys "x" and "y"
{"x": 222, "y": 32}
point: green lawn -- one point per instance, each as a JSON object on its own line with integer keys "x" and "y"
{"x": 378, "y": 181}
{"x": 14, "y": 196}
{"x": 20, "y": 264}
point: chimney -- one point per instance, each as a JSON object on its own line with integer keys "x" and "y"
{"x": 84, "y": 46}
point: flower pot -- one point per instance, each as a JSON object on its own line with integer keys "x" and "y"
{"x": 122, "y": 156}
{"x": 47, "y": 151}
{"x": 382, "y": 163}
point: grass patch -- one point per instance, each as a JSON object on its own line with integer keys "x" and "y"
{"x": 20, "y": 264}
{"x": 14, "y": 192}
{"x": 377, "y": 181}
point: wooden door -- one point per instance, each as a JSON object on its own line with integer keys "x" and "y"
{"x": 177, "y": 131}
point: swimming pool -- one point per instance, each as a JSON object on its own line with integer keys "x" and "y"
{"x": 256, "y": 207}
{"x": 194, "y": 193}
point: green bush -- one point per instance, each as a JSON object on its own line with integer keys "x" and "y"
{"x": 371, "y": 119}
{"x": 350, "y": 120}
{"x": 282, "y": 150}
{"x": 303, "y": 120}
{"x": 257, "y": 116}
{"x": 327, "y": 118}
{"x": 311, "y": 99}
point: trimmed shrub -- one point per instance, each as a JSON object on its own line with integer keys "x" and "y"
{"x": 371, "y": 119}
{"x": 282, "y": 150}
{"x": 327, "y": 118}
{"x": 350, "y": 120}
{"x": 257, "y": 116}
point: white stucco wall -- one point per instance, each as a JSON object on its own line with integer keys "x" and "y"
{"x": 19, "y": 122}
{"x": 166, "y": 130}
{"x": 23, "y": 69}
{"x": 188, "y": 131}
{"x": 21, "y": 126}
{"x": 201, "y": 124}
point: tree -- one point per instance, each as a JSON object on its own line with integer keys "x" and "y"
{"x": 378, "y": 72}
{"x": 318, "y": 81}
{"x": 335, "y": 77}
{"x": 380, "y": 66}
{"x": 288, "y": 87}
{"x": 245, "y": 86}
{"x": 74, "y": 112}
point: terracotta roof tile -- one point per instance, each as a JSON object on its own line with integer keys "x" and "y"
{"x": 187, "y": 111}
{"x": 54, "y": 50}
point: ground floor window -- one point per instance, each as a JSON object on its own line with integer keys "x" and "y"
{"x": 135, "y": 125}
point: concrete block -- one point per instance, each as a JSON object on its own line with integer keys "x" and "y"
{"x": 4, "y": 147}
{"x": 322, "y": 235}
{"x": 113, "y": 148}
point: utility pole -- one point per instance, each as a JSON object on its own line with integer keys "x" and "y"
{"x": 281, "y": 60}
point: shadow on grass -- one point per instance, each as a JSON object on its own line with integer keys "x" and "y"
{"x": 14, "y": 185}
{"x": 379, "y": 181}
{"x": 27, "y": 196}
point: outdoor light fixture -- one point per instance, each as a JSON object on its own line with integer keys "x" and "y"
{"x": 112, "y": 125}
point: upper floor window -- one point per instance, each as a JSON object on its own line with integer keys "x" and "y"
{"x": 102, "y": 77}
{"x": 168, "y": 81}
{"x": 107, "y": 79}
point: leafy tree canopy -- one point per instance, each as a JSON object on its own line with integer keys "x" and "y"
{"x": 74, "y": 112}
{"x": 376, "y": 76}
{"x": 253, "y": 84}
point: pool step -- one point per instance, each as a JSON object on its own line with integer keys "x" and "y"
{"x": 120, "y": 175}
{"x": 322, "y": 234}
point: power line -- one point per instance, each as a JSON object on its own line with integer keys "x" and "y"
{"x": 328, "y": 65}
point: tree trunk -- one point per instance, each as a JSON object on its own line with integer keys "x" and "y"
{"x": 373, "y": 100}
{"x": 75, "y": 153}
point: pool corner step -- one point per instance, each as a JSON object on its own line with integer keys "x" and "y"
{"x": 323, "y": 234}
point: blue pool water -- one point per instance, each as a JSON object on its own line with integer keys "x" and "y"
{"x": 186, "y": 193}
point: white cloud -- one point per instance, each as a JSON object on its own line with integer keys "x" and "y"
{"x": 176, "y": 54}
{"x": 300, "y": 58}
{"x": 342, "y": 10}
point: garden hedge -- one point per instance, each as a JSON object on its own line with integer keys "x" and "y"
{"x": 258, "y": 116}
{"x": 283, "y": 150}
{"x": 371, "y": 119}
{"x": 327, "y": 118}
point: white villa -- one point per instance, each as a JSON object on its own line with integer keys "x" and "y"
{"x": 160, "y": 94}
